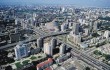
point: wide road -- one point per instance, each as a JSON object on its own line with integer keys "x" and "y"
{"x": 86, "y": 58}
{"x": 41, "y": 34}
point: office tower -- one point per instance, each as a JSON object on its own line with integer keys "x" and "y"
{"x": 106, "y": 34}
{"x": 86, "y": 31}
{"x": 34, "y": 16}
{"x": 14, "y": 37}
{"x": 70, "y": 23}
{"x": 77, "y": 39}
{"x": 62, "y": 49}
{"x": 76, "y": 28}
{"x": 53, "y": 43}
{"x": 21, "y": 50}
{"x": 91, "y": 26}
{"x": 40, "y": 42}
{"x": 95, "y": 26}
{"x": 62, "y": 9}
{"x": 16, "y": 21}
{"x": 48, "y": 50}
{"x": 64, "y": 27}
{"x": 23, "y": 24}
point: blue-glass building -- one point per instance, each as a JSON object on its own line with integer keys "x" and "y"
{"x": 21, "y": 50}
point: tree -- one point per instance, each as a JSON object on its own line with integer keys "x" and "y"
{"x": 8, "y": 68}
{"x": 95, "y": 34}
{"x": 87, "y": 68}
{"x": 97, "y": 52}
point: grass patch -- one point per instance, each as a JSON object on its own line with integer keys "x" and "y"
{"x": 96, "y": 52}
{"x": 25, "y": 62}
{"x": 18, "y": 65}
{"x": 39, "y": 56}
{"x": 33, "y": 57}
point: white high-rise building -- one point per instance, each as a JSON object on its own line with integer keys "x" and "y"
{"x": 16, "y": 21}
{"x": 62, "y": 9}
{"x": 23, "y": 24}
{"x": 70, "y": 23}
{"x": 106, "y": 34}
{"x": 34, "y": 16}
{"x": 62, "y": 49}
{"x": 64, "y": 27}
{"x": 48, "y": 50}
{"x": 21, "y": 50}
{"x": 86, "y": 31}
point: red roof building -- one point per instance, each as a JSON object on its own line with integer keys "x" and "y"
{"x": 48, "y": 68}
{"x": 44, "y": 64}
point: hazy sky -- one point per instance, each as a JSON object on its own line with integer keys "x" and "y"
{"x": 98, "y": 3}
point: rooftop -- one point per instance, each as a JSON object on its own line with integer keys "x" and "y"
{"x": 45, "y": 63}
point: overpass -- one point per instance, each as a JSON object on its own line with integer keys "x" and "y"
{"x": 42, "y": 35}
{"x": 86, "y": 58}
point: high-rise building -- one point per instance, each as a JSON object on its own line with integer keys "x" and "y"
{"x": 40, "y": 42}
{"x": 76, "y": 28}
{"x": 23, "y": 23}
{"x": 76, "y": 38}
{"x": 48, "y": 50}
{"x": 21, "y": 50}
{"x": 86, "y": 31}
{"x": 34, "y": 16}
{"x": 14, "y": 37}
{"x": 53, "y": 43}
{"x": 70, "y": 23}
{"x": 95, "y": 26}
{"x": 62, "y": 49}
{"x": 16, "y": 21}
{"x": 62, "y": 9}
{"x": 90, "y": 26}
{"x": 64, "y": 27}
{"x": 106, "y": 34}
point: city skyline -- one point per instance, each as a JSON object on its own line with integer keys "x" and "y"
{"x": 54, "y": 35}
{"x": 82, "y": 3}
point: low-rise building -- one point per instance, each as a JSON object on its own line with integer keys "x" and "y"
{"x": 63, "y": 58}
{"x": 44, "y": 64}
{"x": 82, "y": 45}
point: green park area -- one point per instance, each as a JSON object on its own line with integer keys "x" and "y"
{"x": 33, "y": 57}
{"x": 18, "y": 65}
{"x": 99, "y": 53}
{"x": 25, "y": 61}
